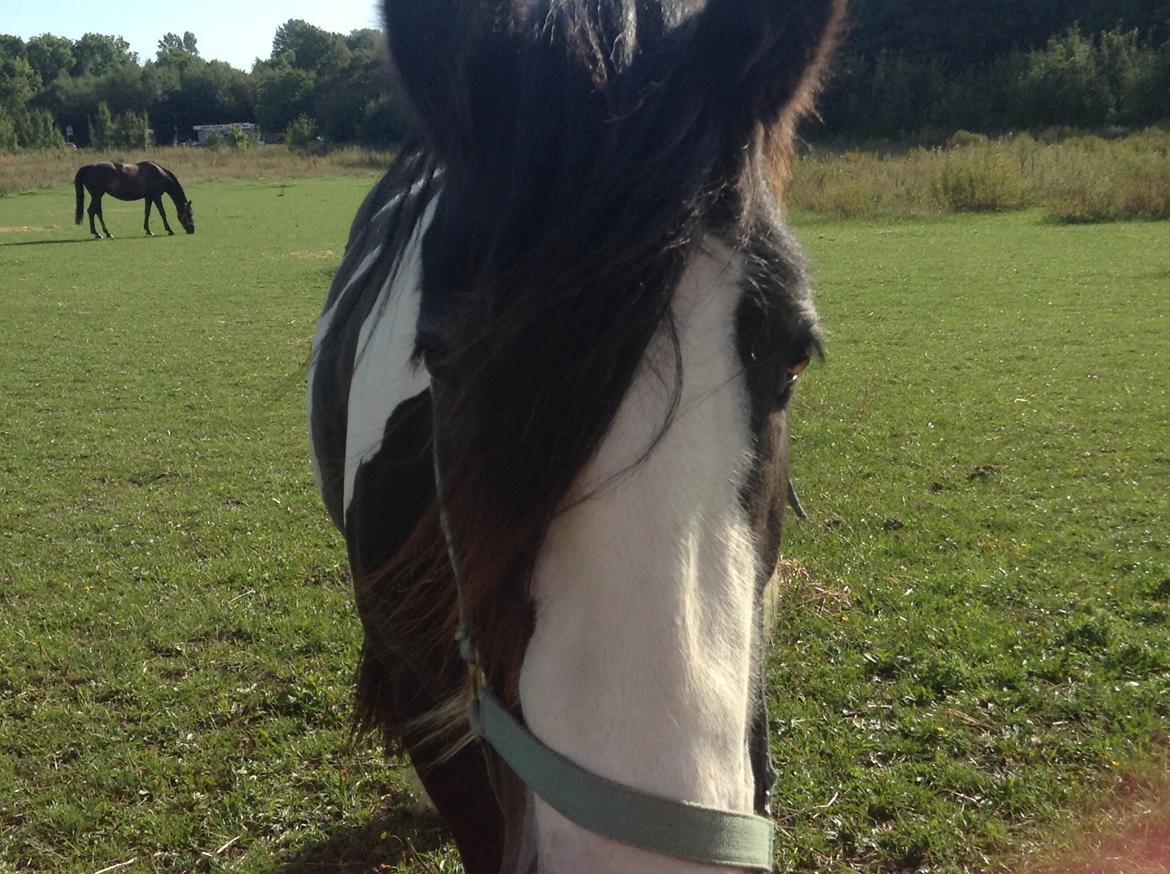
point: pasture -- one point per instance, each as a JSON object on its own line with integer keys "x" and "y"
{"x": 973, "y": 655}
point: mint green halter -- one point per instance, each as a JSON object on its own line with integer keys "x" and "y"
{"x": 594, "y": 803}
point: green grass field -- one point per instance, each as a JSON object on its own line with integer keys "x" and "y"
{"x": 975, "y": 650}
{"x": 986, "y": 455}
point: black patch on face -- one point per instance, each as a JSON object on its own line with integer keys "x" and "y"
{"x": 391, "y": 493}
{"x": 775, "y": 330}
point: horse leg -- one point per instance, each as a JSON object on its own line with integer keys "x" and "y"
{"x": 459, "y": 787}
{"x": 92, "y": 212}
{"x": 95, "y": 208}
{"x": 461, "y": 792}
{"x": 162, "y": 212}
{"x": 146, "y": 221}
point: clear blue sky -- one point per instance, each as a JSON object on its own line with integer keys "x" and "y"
{"x": 236, "y": 31}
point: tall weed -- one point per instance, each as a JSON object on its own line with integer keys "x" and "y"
{"x": 1074, "y": 177}
{"x": 978, "y": 179}
{"x": 1135, "y": 184}
{"x": 33, "y": 170}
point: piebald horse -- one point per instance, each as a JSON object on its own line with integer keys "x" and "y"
{"x": 145, "y": 180}
{"x": 547, "y": 405}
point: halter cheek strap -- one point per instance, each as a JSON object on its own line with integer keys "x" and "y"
{"x": 594, "y": 803}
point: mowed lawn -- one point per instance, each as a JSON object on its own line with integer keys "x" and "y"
{"x": 974, "y": 651}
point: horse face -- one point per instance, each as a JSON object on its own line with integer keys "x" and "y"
{"x": 187, "y": 218}
{"x": 644, "y": 663}
{"x": 617, "y": 311}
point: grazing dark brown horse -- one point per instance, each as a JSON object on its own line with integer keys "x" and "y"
{"x": 145, "y": 179}
{"x": 548, "y": 399}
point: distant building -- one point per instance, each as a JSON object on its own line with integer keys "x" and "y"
{"x": 210, "y": 133}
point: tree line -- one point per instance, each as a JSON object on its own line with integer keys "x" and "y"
{"x": 908, "y": 68}
{"x": 928, "y": 68}
{"x": 324, "y": 84}
{"x": 1082, "y": 81}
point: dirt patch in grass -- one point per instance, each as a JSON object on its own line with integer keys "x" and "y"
{"x": 1130, "y": 834}
{"x": 1144, "y": 849}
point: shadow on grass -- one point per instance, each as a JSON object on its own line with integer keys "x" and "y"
{"x": 86, "y": 240}
{"x": 46, "y": 242}
{"x": 395, "y": 838}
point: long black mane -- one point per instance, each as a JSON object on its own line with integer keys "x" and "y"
{"x": 581, "y": 149}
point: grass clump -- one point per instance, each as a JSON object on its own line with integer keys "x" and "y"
{"x": 1111, "y": 181}
{"x": 987, "y": 181}
{"x": 1075, "y": 179}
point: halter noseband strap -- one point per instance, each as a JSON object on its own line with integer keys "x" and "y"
{"x": 597, "y": 804}
{"x": 621, "y": 813}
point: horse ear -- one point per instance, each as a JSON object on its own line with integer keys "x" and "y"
{"x": 768, "y": 55}
{"x": 446, "y": 55}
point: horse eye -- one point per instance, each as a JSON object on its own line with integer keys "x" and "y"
{"x": 794, "y": 372}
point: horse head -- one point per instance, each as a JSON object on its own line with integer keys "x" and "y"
{"x": 187, "y": 217}
{"x": 613, "y": 317}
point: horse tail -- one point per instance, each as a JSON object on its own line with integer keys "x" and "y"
{"x": 80, "y": 197}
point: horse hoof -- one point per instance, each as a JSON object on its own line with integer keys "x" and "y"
{"x": 170, "y": 233}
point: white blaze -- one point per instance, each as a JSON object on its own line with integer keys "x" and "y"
{"x": 641, "y": 661}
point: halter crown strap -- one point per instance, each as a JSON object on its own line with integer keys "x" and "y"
{"x": 620, "y": 813}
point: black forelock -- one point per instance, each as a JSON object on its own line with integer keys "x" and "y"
{"x": 585, "y": 146}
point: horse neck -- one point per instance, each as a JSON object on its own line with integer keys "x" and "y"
{"x": 175, "y": 190}
{"x": 641, "y": 663}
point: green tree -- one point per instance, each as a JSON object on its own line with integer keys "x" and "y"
{"x": 282, "y": 94}
{"x": 224, "y": 93}
{"x": 11, "y": 47}
{"x": 74, "y": 102}
{"x": 1130, "y": 69}
{"x": 927, "y": 67}
{"x": 193, "y": 91}
{"x": 35, "y": 129}
{"x": 365, "y": 42}
{"x": 51, "y": 56}
{"x": 131, "y": 130}
{"x": 308, "y": 47}
{"x": 301, "y": 134}
{"x": 101, "y": 127}
{"x": 383, "y": 123}
{"x": 964, "y": 32}
{"x": 125, "y": 89}
{"x": 19, "y": 83}
{"x": 7, "y": 132}
{"x": 1064, "y": 84}
{"x": 95, "y": 54}
{"x": 242, "y": 140}
{"x": 172, "y": 42}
